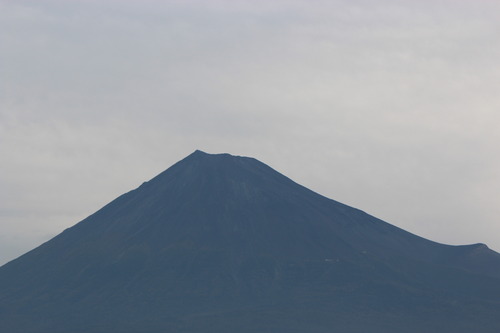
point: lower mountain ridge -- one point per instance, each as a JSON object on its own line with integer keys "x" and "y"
{"x": 221, "y": 243}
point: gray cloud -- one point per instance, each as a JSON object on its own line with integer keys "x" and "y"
{"x": 389, "y": 106}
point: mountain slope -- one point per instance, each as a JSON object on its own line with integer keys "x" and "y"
{"x": 220, "y": 243}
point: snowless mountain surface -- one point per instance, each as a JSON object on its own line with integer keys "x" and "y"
{"x": 222, "y": 243}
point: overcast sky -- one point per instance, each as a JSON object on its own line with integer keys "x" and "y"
{"x": 392, "y": 107}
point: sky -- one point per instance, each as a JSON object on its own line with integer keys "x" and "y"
{"x": 392, "y": 107}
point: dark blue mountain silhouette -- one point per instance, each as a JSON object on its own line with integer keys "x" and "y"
{"x": 221, "y": 243}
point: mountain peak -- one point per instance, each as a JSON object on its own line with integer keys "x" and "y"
{"x": 201, "y": 155}
{"x": 198, "y": 152}
{"x": 223, "y": 243}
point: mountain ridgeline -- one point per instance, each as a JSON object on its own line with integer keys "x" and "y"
{"x": 221, "y": 243}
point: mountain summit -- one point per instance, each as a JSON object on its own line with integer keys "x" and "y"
{"x": 222, "y": 243}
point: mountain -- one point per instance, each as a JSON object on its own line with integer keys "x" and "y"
{"x": 222, "y": 243}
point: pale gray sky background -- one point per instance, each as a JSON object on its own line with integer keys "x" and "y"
{"x": 388, "y": 106}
